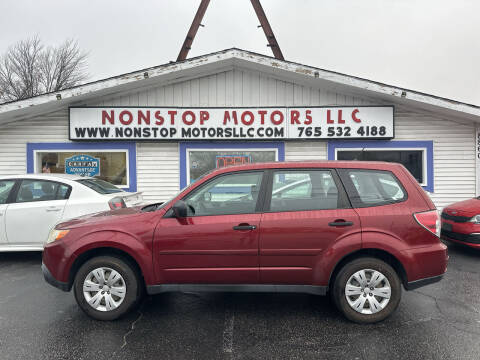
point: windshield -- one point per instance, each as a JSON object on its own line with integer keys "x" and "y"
{"x": 100, "y": 186}
{"x": 161, "y": 205}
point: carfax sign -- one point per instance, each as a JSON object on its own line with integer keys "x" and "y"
{"x": 83, "y": 165}
{"x": 130, "y": 123}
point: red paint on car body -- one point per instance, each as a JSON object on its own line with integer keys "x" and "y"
{"x": 297, "y": 247}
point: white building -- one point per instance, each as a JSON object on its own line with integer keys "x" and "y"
{"x": 284, "y": 111}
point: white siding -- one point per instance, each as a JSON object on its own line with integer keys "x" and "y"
{"x": 158, "y": 163}
{"x": 158, "y": 172}
{"x": 14, "y": 137}
{"x": 305, "y": 150}
{"x": 453, "y": 153}
{"x": 234, "y": 87}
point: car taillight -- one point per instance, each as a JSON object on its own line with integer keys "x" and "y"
{"x": 116, "y": 203}
{"x": 430, "y": 220}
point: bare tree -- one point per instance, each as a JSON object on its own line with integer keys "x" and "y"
{"x": 62, "y": 67}
{"x": 28, "y": 68}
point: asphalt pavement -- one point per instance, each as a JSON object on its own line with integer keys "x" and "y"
{"x": 439, "y": 321}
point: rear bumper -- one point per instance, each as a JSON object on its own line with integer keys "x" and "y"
{"x": 52, "y": 281}
{"x": 424, "y": 265}
{"x": 412, "y": 285}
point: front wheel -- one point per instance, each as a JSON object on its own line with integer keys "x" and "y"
{"x": 106, "y": 287}
{"x": 367, "y": 290}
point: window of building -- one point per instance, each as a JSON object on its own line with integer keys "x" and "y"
{"x": 199, "y": 158}
{"x": 416, "y": 156}
{"x": 111, "y": 162}
{"x": 202, "y": 161}
{"x": 303, "y": 190}
{"x": 110, "y": 166}
{"x": 413, "y": 160}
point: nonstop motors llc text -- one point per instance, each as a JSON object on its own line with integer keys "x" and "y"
{"x": 215, "y": 123}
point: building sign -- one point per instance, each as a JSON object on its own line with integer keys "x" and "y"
{"x": 83, "y": 165}
{"x": 130, "y": 123}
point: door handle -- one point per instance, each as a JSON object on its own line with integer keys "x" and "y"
{"x": 340, "y": 223}
{"x": 53, "y": 209}
{"x": 245, "y": 227}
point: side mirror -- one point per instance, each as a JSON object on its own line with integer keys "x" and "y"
{"x": 180, "y": 209}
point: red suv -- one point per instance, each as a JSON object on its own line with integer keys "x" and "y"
{"x": 358, "y": 230}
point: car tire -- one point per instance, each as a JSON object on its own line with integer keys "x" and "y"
{"x": 357, "y": 294}
{"x": 110, "y": 296}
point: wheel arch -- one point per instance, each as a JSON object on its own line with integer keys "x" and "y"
{"x": 375, "y": 253}
{"x": 104, "y": 251}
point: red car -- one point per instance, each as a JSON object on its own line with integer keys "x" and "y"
{"x": 358, "y": 230}
{"x": 461, "y": 222}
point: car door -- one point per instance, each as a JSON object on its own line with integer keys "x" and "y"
{"x": 306, "y": 212}
{"x": 37, "y": 208}
{"x": 218, "y": 241}
{"x": 6, "y": 187}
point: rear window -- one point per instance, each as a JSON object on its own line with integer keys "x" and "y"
{"x": 372, "y": 187}
{"x": 100, "y": 186}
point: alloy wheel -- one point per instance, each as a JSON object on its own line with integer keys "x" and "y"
{"x": 104, "y": 289}
{"x": 368, "y": 291}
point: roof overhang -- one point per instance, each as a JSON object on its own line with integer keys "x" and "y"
{"x": 226, "y": 59}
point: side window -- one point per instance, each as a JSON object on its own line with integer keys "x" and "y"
{"x": 226, "y": 195}
{"x": 63, "y": 192}
{"x": 304, "y": 190}
{"x": 40, "y": 190}
{"x": 374, "y": 187}
{"x": 6, "y": 187}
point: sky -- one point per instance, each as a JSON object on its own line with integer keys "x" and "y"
{"x": 431, "y": 46}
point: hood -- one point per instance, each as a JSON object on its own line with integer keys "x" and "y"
{"x": 102, "y": 217}
{"x": 464, "y": 208}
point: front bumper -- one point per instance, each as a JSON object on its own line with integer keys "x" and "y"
{"x": 467, "y": 239}
{"x": 52, "y": 281}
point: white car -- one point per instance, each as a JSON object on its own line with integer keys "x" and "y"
{"x": 31, "y": 205}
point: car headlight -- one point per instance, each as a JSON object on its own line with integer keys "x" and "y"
{"x": 475, "y": 219}
{"x": 56, "y": 235}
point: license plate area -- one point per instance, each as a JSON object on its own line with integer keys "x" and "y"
{"x": 446, "y": 226}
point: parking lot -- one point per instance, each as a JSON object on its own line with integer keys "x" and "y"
{"x": 41, "y": 322}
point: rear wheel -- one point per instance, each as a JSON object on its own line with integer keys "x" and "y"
{"x": 367, "y": 290}
{"x": 106, "y": 287}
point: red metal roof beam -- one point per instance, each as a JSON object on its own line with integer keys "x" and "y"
{"x": 197, "y": 22}
{"x": 267, "y": 29}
